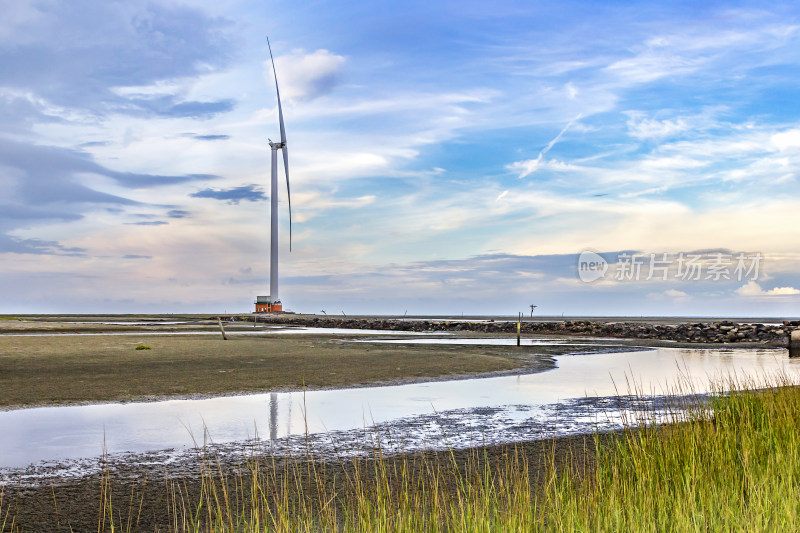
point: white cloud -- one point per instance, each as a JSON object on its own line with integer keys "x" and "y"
{"x": 651, "y": 65}
{"x": 670, "y": 162}
{"x": 525, "y": 168}
{"x": 731, "y": 153}
{"x": 676, "y": 294}
{"x": 429, "y": 106}
{"x": 572, "y": 91}
{"x": 783, "y": 291}
{"x": 308, "y": 204}
{"x": 155, "y": 90}
{"x": 698, "y": 49}
{"x": 306, "y": 76}
{"x": 643, "y": 192}
{"x": 752, "y": 288}
{"x": 673, "y": 294}
{"x": 643, "y": 128}
{"x": 787, "y": 140}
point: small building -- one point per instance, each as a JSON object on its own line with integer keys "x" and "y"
{"x": 264, "y": 304}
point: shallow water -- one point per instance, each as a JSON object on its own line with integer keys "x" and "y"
{"x": 260, "y": 330}
{"x": 507, "y": 341}
{"x": 134, "y": 322}
{"x": 460, "y": 412}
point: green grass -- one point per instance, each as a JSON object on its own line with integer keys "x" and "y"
{"x": 143, "y": 347}
{"x": 737, "y": 469}
{"x": 731, "y": 464}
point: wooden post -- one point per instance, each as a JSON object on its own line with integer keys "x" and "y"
{"x": 794, "y": 343}
{"x": 519, "y": 327}
{"x": 222, "y": 330}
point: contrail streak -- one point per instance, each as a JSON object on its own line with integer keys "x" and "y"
{"x": 532, "y": 165}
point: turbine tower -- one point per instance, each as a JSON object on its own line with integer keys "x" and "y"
{"x": 267, "y": 304}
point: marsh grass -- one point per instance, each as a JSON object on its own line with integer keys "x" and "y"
{"x": 729, "y": 461}
{"x": 7, "y": 516}
{"x": 412, "y": 493}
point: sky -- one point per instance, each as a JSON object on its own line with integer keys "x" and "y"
{"x": 589, "y": 158}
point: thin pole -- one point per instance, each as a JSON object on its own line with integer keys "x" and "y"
{"x": 221, "y": 329}
{"x": 519, "y": 327}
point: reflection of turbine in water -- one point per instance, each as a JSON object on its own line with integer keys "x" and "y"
{"x": 273, "y": 416}
{"x": 289, "y": 416}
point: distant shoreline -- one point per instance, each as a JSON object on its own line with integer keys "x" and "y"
{"x": 774, "y": 332}
{"x": 659, "y": 319}
{"x": 694, "y": 332}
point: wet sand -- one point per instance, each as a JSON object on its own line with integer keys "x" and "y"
{"x": 59, "y": 370}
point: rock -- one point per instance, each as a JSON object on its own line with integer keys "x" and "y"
{"x": 724, "y": 331}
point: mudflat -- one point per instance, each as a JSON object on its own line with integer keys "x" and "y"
{"x": 63, "y": 369}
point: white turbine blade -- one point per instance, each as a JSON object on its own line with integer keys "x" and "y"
{"x": 283, "y": 141}
{"x": 277, "y": 92}
{"x": 288, "y": 191}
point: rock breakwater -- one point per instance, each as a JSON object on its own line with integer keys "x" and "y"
{"x": 690, "y": 332}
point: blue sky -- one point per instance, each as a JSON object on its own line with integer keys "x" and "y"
{"x": 447, "y": 157}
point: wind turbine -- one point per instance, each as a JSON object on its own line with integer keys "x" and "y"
{"x": 273, "y": 302}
